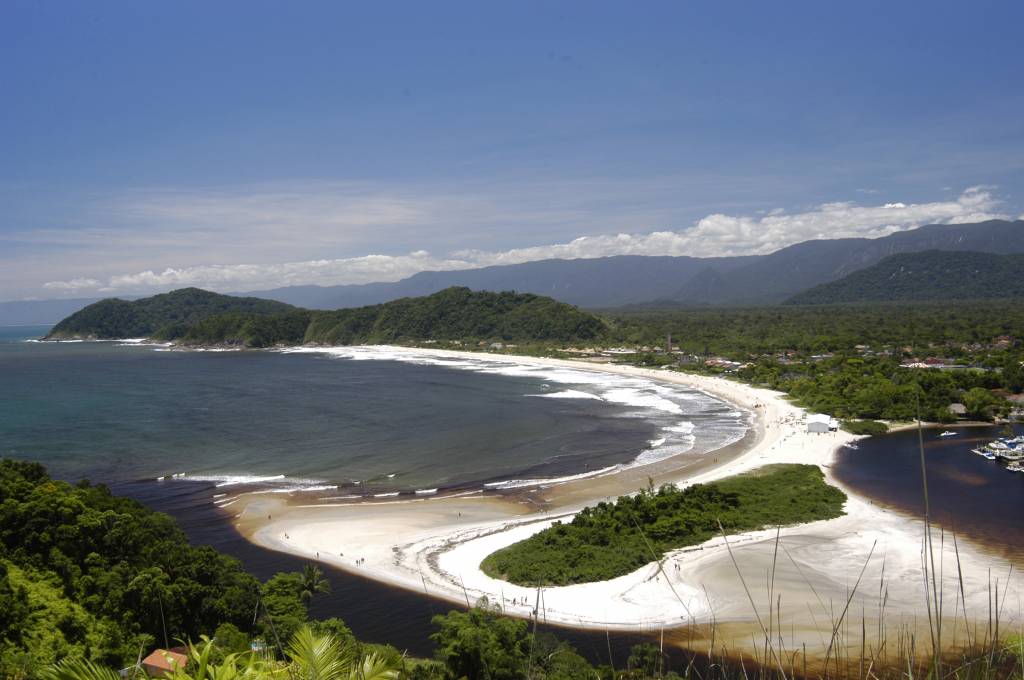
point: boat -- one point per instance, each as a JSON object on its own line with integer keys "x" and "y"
{"x": 948, "y": 433}
{"x": 850, "y": 445}
{"x": 978, "y": 451}
{"x": 1015, "y": 466}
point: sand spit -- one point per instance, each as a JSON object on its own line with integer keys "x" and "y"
{"x": 871, "y": 557}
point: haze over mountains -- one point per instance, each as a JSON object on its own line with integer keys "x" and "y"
{"x": 635, "y": 280}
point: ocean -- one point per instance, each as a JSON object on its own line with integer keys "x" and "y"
{"x": 355, "y": 421}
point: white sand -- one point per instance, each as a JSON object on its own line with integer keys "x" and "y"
{"x": 436, "y": 545}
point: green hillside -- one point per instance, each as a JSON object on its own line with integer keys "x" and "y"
{"x": 195, "y": 317}
{"x": 456, "y": 314}
{"x": 451, "y": 314}
{"x": 166, "y": 315}
{"x": 928, "y": 275}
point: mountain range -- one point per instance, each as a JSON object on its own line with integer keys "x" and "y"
{"x": 928, "y": 275}
{"x": 676, "y": 281}
{"x": 633, "y": 279}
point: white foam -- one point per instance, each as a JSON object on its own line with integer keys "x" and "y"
{"x": 549, "y": 481}
{"x": 299, "y": 488}
{"x": 642, "y": 399}
{"x": 276, "y": 483}
{"x": 568, "y": 394}
{"x": 655, "y": 443}
{"x": 390, "y": 494}
{"x": 425, "y": 492}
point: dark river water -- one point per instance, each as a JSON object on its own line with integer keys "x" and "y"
{"x": 968, "y": 494}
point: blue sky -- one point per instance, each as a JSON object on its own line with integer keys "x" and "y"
{"x": 242, "y": 145}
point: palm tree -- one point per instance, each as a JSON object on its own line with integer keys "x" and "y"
{"x": 324, "y": 657}
{"x": 313, "y": 582}
{"x": 78, "y": 669}
{"x": 310, "y": 657}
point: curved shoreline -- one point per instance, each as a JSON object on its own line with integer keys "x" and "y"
{"x": 434, "y": 545}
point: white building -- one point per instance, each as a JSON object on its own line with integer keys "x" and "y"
{"x": 821, "y": 423}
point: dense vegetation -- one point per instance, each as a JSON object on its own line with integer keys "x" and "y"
{"x": 88, "y": 575}
{"x": 848, "y": 361}
{"x": 928, "y": 275}
{"x": 165, "y": 315}
{"x": 457, "y": 314}
{"x": 752, "y": 331}
{"x": 854, "y": 387}
{"x": 196, "y": 317}
{"x": 613, "y": 539}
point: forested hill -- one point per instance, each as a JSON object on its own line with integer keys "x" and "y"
{"x": 167, "y": 314}
{"x": 928, "y": 275}
{"x": 451, "y": 314}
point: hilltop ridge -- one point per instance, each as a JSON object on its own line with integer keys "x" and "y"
{"x": 196, "y": 317}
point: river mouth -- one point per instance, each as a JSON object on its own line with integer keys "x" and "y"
{"x": 970, "y": 496}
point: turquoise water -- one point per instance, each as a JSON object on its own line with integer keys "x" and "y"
{"x": 355, "y": 421}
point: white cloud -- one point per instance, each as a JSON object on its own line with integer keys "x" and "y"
{"x": 73, "y": 284}
{"x": 714, "y": 235}
{"x": 718, "y": 234}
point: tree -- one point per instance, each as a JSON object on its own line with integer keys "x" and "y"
{"x": 645, "y": 658}
{"x": 979, "y": 402}
{"x": 481, "y": 643}
{"x": 284, "y": 610}
{"x": 311, "y": 656}
{"x": 313, "y": 582}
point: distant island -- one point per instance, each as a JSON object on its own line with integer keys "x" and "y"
{"x": 196, "y": 317}
{"x": 928, "y": 275}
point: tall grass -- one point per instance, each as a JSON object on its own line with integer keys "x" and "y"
{"x": 860, "y": 637}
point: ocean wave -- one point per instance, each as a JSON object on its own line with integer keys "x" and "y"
{"x": 300, "y": 488}
{"x": 388, "y": 494}
{"x": 274, "y": 483}
{"x": 685, "y": 427}
{"x": 548, "y": 481}
{"x": 655, "y": 443}
{"x": 636, "y": 397}
{"x": 568, "y": 394}
{"x": 657, "y": 454}
{"x": 142, "y": 342}
{"x": 425, "y": 492}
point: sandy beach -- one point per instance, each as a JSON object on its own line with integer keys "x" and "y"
{"x": 868, "y": 562}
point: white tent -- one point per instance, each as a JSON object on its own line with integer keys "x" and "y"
{"x": 819, "y": 422}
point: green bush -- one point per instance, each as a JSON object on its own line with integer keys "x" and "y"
{"x": 612, "y": 539}
{"x": 868, "y": 427}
